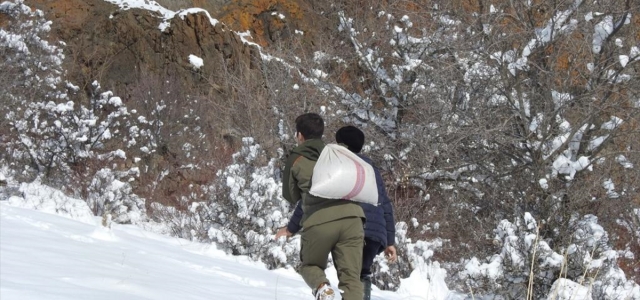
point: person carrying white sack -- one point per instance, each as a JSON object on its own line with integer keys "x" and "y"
{"x": 331, "y": 226}
{"x": 379, "y": 226}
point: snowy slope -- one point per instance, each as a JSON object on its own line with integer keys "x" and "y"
{"x": 48, "y": 256}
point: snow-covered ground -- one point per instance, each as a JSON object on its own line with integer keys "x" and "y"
{"x": 44, "y": 255}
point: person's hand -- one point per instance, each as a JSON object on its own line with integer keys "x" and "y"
{"x": 283, "y": 232}
{"x": 391, "y": 254}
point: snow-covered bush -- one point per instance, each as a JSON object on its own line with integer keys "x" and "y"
{"x": 36, "y": 195}
{"x": 249, "y": 207}
{"x": 58, "y": 137}
{"x": 54, "y": 131}
{"x": 31, "y": 69}
{"x": 454, "y": 102}
{"x": 387, "y": 275}
{"x": 527, "y": 265}
{"x": 108, "y": 195}
{"x": 30, "y": 64}
{"x": 8, "y": 186}
{"x": 47, "y": 130}
{"x": 412, "y": 256}
{"x": 244, "y": 210}
{"x": 68, "y": 145}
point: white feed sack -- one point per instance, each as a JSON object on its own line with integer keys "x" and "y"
{"x": 341, "y": 174}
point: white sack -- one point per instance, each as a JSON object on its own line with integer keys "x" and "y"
{"x": 341, "y": 174}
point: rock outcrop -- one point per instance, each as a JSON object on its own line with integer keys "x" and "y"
{"x": 119, "y": 47}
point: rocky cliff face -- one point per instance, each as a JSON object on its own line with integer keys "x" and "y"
{"x": 127, "y": 53}
{"x": 120, "y": 47}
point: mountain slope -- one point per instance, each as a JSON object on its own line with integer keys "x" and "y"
{"x": 47, "y": 256}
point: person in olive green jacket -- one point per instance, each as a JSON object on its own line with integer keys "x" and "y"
{"x": 330, "y": 225}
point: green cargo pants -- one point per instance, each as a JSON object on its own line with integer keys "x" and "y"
{"x": 344, "y": 239}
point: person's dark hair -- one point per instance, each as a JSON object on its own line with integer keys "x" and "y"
{"x": 352, "y": 137}
{"x": 310, "y": 125}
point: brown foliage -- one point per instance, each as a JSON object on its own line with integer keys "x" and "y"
{"x": 262, "y": 20}
{"x": 4, "y": 20}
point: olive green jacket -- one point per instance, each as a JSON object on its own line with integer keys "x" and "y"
{"x": 297, "y": 182}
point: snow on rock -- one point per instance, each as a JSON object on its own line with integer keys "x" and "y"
{"x": 565, "y": 289}
{"x": 164, "y": 13}
{"x": 183, "y": 13}
{"x": 196, "y": 62}
{"x": 143, "y": 4}
{"x": 279, "y": 15}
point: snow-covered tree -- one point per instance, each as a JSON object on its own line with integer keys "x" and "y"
{"x": 56, "y": 132}
{"x": 31, "y": 66}
{"x": 479, "y": 111}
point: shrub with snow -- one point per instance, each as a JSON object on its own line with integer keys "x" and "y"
{"x": 527, "y": 265}
{"x": 108, "y": 195}
{"x": 29, "y": 61}
{"x": 31, "y": 71}
{"x": 244, "y": 211}
{"x": 52, "y": 131}
{"x": 412, "y": 257}
{"x": 44, "y": 198}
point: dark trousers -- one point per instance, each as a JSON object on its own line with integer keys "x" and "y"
{"x": 369, "y": 252}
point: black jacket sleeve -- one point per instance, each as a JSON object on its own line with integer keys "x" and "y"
{"x": 294, "y": 222}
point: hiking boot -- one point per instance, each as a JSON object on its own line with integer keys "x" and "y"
{"x": 325, "y": 292}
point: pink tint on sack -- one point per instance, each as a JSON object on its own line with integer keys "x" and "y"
{"x": 357, "y": 188}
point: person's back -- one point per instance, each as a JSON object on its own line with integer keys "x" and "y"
{"x": 380, "y": 227}
{"x": 316, "y": 210}
{"x": 330, "y": 225}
